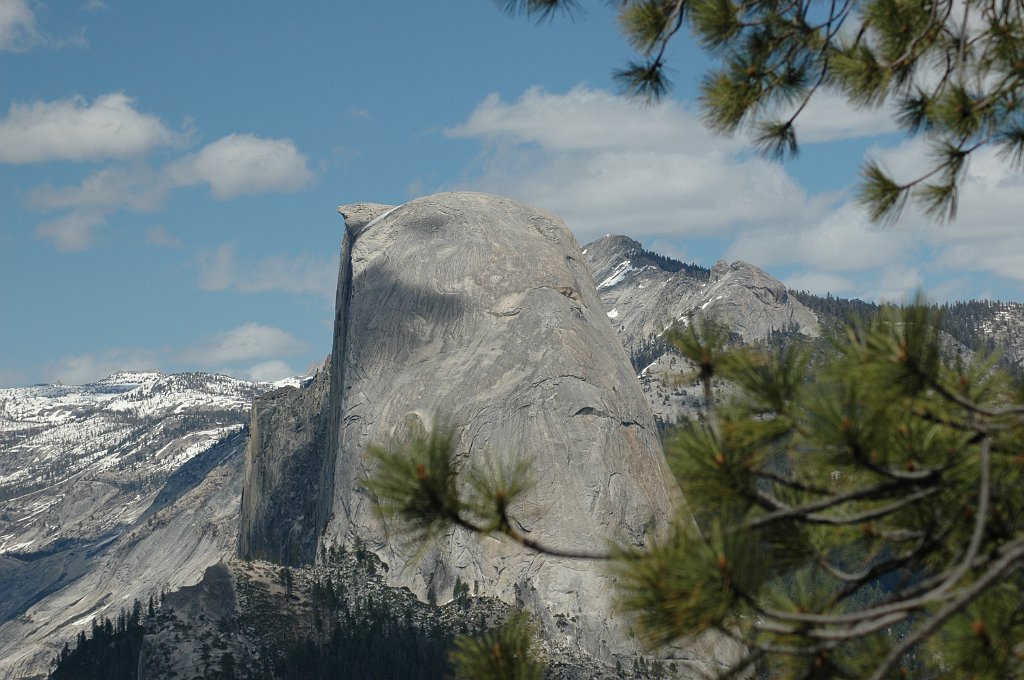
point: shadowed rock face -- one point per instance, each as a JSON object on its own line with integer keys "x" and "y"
{"x": 482, "y": 309}
{"x": 281, "y": 487}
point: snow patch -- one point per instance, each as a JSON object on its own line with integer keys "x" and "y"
{"x": 617, "y": 275}
{"x": 613, "y": 314}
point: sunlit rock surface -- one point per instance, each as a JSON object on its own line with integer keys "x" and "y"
{"x": 482, "y": 309}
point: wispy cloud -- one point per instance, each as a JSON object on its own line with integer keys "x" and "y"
{"x": 246, "y": 343}
{"x": 159, "y": 236}
{"x": 585, "y": 119}
{"x": 18, "y": 31}
{"x": 252, "y": 351}
{"x": 269, "y": 371}
{"x": 137, "y": 187}
{"x": 76, "y": 130}
{"x": 85, "y": 368}
{"x": 74, "y": 231}
{"x": 829, "y": 117}
{"x": 842, "y": 241}
{"x": 221, "y": 269}
{"x": 607, "y": 164}
{"x": 232, "y": 166}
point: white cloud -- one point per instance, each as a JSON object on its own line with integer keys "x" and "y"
{"x": 233, "y": 165}
{"x": 243, "y": 164}
{"x": 95, "y": 6}
{"x": 986, "y": 235}
{"x": 607, "y": 164}
{"x": 137, "y": 188}
{"x": 74, "y": 130}
{"x": 220, "y": 269}
{"x": 894, "y": 284}
{"x": 18, "y": 30}
{"x": 72, "y": 232}
{"x": 842, "y": 241}
{"x": 84, "y": 368}
{"x": 245, "y": 343}
{"x": 269, "y": 371}
{"x": 828, "y": 117}
{"x": 588, "y": 120}
{"x": 819, "y": 283}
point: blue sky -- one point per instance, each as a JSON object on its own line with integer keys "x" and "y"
{"x": 169, "y": 172}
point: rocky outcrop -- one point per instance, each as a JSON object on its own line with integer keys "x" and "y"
{"x": 285, "y": 460}
{"x": 481, "y": 309}
{"x": 753, "y": 304}
{"x": 644, "y": 297}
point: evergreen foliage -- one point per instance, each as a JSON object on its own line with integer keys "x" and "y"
{"x": 858, "y": 517}
{"x": 500, "y": 654}
{"x": 668, "y": 264}
{"x": 370, "y": 642}
{"x": 953, "y": 72}
{"x": 109, "y": 652}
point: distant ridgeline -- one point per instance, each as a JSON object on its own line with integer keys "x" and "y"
{"x": 974, "y": 324}
{"x": 692, "y": 270}
{"x": 970, "y": 323}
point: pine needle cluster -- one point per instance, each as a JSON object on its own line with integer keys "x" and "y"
{"x": 858, "y": 519}
{"x": 951, "y": 70}
{"x": 858, "y": 516}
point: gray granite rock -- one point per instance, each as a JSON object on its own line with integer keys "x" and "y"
{"x": 281, "y": 493}
{"x": 643, "y": 299}
{"x": 482, "y": 309}
{"x": 172, "y": 548}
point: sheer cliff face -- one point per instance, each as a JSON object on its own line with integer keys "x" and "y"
{"x": 482, "y": 309}
{"x": 281, "y": 486}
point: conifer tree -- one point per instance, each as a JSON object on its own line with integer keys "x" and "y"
{"x": 857, "y": 518}
{"x": 953, "y": 72}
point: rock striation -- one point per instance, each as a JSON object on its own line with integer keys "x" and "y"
{"x": 481, "y": 309}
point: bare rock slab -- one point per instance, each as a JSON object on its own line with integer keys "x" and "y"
{"x": 482, "y": 309}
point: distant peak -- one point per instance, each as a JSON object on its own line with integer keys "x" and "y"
{"x": 130, "y": 378}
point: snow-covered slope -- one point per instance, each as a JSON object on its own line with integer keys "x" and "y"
{"x": 111, "y": 491}
{"x": 645, "y": 293}
{"x": 79, "y": 462}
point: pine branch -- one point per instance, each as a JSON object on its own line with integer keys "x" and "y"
{"x": 1011, "y": 561}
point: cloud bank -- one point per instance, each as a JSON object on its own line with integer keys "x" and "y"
{"x": 112, "y": 129}
{"x": 609, "y": 165}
